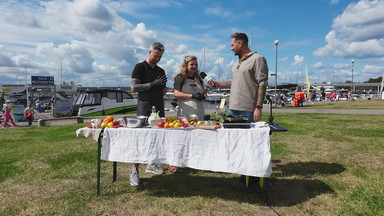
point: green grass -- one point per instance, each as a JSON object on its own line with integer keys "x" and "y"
{"x": 326, "y": 164}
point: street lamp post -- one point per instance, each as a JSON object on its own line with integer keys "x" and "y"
{"x": 353, "y": 61}
{"x": 276, "y": 43}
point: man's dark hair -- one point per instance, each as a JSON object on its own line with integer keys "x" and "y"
{"x": 240, "y": 36}
{"x": 157, "y": 46}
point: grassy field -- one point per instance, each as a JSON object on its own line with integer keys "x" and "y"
{"x": 326, "y": 164}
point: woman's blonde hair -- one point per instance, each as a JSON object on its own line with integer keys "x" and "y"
{"x": 184, "y": 69}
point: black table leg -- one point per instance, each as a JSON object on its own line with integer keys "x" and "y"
{"x": 114, "y": 171}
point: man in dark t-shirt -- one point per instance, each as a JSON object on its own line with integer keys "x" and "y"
{"x": 149, "y": 81}
{"x": 150, "y": 95}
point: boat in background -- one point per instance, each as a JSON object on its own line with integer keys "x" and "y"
{"x": 217, "y": 95}
{"x": 169, "y": 95}
{"x": 104, "y": 102}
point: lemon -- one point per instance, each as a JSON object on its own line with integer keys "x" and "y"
{"x": 199, "y": 122}
{"x": 176, "y": 125}
{"x": 171, "y": 124}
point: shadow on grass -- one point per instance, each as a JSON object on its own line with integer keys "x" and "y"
{"x": 288, "y": 192}
{"x": 307, "y": 169}
{"x": 284, "y": 192}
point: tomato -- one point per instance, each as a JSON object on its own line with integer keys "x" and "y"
{"x": 160, "y": 124}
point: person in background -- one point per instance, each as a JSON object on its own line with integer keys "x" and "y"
{"x": 29, "y": 114}
{"x": 7, "y": 114}
{"x": 322, "y": 90}
{"x": 189, "y": 89}
{"x": 250, "y": 80}
{"x": 149, "y": 81}
{"x": 302, "y": 98}
{"x": 2, "y": 99}
{"x": 333, "y": 96}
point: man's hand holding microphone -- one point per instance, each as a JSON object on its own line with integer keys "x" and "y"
{"x": 207, "y": 78}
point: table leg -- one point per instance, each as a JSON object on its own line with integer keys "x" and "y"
{"x": 114, "y": 171}
{"x": 263, "y": 187}
{"x": 98, "y": 164}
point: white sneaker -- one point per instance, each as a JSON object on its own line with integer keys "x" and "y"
{"x": 153, "y": 168}
{"x": 134, "y": 179}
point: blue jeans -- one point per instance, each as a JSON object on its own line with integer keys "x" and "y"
{"x": 243, "y": 113}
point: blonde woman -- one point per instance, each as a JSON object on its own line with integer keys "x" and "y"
{"x": 189, "y": 89}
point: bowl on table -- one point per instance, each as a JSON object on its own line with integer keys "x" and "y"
{"x": 189, "y": 118}
{"x": 136, "y": 121}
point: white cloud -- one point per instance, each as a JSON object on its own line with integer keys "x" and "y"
{"x": 217, "y": 11}
{"x": 284, "y": 59}
{"x": 143, "y": 37}
{"x": 372, "y": 71}
{"x": 298, "y": 60}
{"x": 357, "y": 32}
{"x": 361, "y": 21}
{"x": 341, "y": 66}
{"x": 85, "y": 36}
{"x": 6, "y": 60}
{"x": 334, "y": 1}
{"x": 317, "y": 65}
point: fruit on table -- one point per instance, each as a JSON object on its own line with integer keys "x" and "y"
{"x": 109, "y": 118}
{"x": 160, "y": 124}
{"x": 110, "y": 122}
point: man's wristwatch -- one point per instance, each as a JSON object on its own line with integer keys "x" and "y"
{"x": 259, "y": 107}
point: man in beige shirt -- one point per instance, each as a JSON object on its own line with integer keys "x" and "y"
{"x": 250, "y": 80}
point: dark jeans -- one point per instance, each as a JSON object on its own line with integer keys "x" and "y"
{"x": 30, "y": 119}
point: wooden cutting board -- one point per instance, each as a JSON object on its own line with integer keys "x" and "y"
{"x": 207, "y": 127}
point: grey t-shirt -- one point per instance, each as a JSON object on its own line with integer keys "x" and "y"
{"x": 248, "y": 75}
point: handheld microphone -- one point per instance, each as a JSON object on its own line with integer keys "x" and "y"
{"x": 207, "y": 78}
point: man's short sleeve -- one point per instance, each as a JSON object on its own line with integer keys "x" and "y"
{"x": 137, "y": 72}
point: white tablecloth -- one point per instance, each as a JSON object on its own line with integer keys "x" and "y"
{"x": 241, "y": 151}
{"x": 89, "y": 133}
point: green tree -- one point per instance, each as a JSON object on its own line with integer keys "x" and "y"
{"x": 374, "y": 80}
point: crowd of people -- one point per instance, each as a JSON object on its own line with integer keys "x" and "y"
{"x": 298, "y": 97}
{"x": 248, "y": 88}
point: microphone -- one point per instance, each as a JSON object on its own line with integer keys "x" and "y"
{"x": 207, "y": 78}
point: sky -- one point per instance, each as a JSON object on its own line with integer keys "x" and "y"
{"x": 98, "y": 42}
